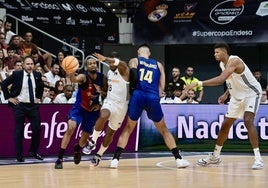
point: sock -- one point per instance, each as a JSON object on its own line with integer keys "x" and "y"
{"x": 217, "y": 151}
{"x": 257, "y": 154}
{"x": 62, "y": 151}
{"x": 95, "y": 135}
{"x": 117, "y": 153}
{"x": 77, "y": 147}
{"x": 102, "y": 150}
{"x": 176, "y": 153}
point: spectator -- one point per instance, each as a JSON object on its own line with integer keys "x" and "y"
{"x": 27, "y": 43}
{"x": 18, "y": 65}
{"x": 258, "y": 75}
{"x": 52, "y": 93}
{"x": 190, "y": 98}
{"x": 28, "y": 46}
{"x": 3, "y": 45}
{"x": 3, "y": 73}
{"x": 179, "y": 95}
{"x": 39, "y": 60}
{"x": 66, "y": 96}
{"x": 15, "y": 43}
{"x": 46, "y": 95}
{"x": 59, "y": 87}
{"x": 59, "y": 59}
{"x": 176, "y": 81}
{"x": 189, "y": 78}
{"x": 264, "y": 99}
{"x": 168, "y": 97}
{"x": 2, "y": 56}
{"x": 53, "y": 75}
{"x": 38, "y": 68}
{"x": 10, "y": 59}
{"x": 7, "y": 30}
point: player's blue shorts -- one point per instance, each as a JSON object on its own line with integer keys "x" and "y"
{"x": 149, "y": 102}
{"x": 86, "y": 118}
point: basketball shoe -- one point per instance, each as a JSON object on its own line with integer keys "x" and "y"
{"x": 89, "y": 148}
{"x": 58, "y": 164}
{"x": 182, "y": 163}
{"x": 210, "y": 159}
{"x": 114, "y": 163}
{"x": 95, "y": 160}
{"x": 77, "y": 154}
{"x": 258, "y": 164}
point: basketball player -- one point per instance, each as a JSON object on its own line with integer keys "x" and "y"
{"x": 91, "y": 84}
{"x": 150, "y": 83}
{"x": 245, "y": 93}
{"x": 115, "y": 105}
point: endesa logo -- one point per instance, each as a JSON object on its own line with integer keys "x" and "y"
{"x": 226, "y": 11}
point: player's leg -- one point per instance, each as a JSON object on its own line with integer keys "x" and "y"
{"x": 249, "y": 117}
{"x": 88, "y": 122}
{"x": 77, "y": 147}
{"x": 214, "y": 158}
{"x": 234, "y": 111}
{"x": 155, "y": 113}
{"x": 170, "y": 142}
{"x": 65, "y": 142}
{"x": 99, "y": 125}
{"x": 75, "y": 119}
{"x": 135, "y": 108}
{"x": 109, "y": 134}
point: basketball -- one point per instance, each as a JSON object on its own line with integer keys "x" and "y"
{"x": 70, "y": 64}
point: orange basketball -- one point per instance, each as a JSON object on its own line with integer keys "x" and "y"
{"x": 70, "y": 64}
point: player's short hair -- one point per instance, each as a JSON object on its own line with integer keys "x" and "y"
{"x": 223, "y": 45}
{"x": 144, "y": 45}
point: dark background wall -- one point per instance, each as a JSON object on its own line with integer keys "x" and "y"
{"x": 201, "y": 57}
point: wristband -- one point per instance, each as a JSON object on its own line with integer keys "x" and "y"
{"x": 199, "y": 83}
{"x": 116, "y": 61}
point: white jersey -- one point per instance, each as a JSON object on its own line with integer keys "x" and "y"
{"x": 118, "y": 88}
{"x": 242, "y": 85}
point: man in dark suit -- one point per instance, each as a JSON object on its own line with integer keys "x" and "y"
{"x": 23, "y": 90}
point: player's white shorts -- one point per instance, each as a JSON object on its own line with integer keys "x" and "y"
{"x": 237, "y": 108}
{"x": 118, "y": 111}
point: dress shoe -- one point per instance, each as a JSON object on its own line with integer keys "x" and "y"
{"x": 20, "y": 159}
{"x": 36, "y": 156}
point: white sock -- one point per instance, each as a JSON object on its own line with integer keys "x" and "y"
{"x": 217, "y": 151}
{"x": 102, "y": 150}
{"x": 95, "y": 135}
{"x": 257, "y": 154}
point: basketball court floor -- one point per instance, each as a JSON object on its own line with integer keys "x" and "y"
{"x": 136, "y": 170}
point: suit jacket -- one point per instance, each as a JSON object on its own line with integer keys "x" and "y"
{"x": 16, "y": 80}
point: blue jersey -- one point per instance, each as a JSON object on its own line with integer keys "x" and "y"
{"x": 146, "y": 94}
{"x": 86, "y": 97}
{"x": 148, "y": 75}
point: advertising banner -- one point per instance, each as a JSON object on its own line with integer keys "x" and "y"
{"x": 53, "y": 126}
{"x": 196, "y": 127}
{"x": 201, "y": 22}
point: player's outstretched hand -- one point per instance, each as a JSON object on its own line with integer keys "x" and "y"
{"x": 99, "y": 56}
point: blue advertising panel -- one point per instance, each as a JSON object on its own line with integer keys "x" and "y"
{"x": 201, "y": 22}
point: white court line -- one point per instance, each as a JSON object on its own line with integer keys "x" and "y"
{"x": 194, "y": 167}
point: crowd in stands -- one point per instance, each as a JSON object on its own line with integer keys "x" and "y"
{"x": 13, "y": 48}
{"x": 58, "y": 86}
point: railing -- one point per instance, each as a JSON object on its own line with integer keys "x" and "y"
{"x": 48, "y": 35}
{"x": 74, "y": 49}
